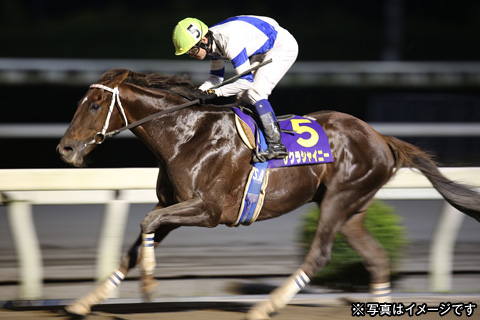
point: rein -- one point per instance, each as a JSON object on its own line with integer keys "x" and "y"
{"x": 99, "y": 137}
{"x": 151, "y": 117}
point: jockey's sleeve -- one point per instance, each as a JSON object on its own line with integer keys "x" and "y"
{"x": 234, "y": 88}
{"x": 217, "y": 72}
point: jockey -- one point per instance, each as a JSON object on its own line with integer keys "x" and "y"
{"x": 243, "y": 40}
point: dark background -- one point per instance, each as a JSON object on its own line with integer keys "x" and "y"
{"x": 336, "y": 30}
{"x": 428, "y": 30}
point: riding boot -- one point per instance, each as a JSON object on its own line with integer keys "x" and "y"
{"x": 276, "y": 149}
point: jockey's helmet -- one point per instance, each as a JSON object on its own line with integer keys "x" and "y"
{"x": 187, "y": 33}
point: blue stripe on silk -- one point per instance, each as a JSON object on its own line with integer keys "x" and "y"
{"x": 248, "y": 77}
{"x": 261, "y": 25}
{"x": 219, "y": 73}
{"x": 240, "y": 58}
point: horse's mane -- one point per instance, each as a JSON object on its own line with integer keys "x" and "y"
{"x": 181, "y": 85}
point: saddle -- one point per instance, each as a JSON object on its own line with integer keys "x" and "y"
{"x": 306, "y": 142}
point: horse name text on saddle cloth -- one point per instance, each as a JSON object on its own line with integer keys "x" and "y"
{"x": 306, "y": 143}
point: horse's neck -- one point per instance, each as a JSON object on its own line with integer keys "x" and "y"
{"x": 146, "y": 102}
{"x": 164, "y": 135}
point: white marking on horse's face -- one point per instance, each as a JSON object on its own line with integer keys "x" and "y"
{"x": 85, "y": 100}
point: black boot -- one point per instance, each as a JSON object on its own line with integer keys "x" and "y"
{"x": 276, "y": 149}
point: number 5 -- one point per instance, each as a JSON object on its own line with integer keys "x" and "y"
{"x": 297, "y": 127}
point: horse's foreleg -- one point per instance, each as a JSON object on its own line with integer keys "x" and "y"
{"x": 374, "y": 256}
{"x": 103, "y": 290}
{"x": 148, "y": 265}
{"x": 186, "y": 213}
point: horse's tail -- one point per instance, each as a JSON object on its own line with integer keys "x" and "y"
{"x": 462, "y": 197}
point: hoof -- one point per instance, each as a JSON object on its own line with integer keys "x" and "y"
{"x": 257, "y": 315}
{"x": 148, "y": 288}
{"x": 382, "y": 299}
{"x": 77, "y": 309}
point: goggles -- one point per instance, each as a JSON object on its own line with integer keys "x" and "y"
{"x": 194, "y": 50}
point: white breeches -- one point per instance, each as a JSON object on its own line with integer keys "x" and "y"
{"x": 283, "y": 55}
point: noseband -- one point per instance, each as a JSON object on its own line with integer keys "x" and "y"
{"x": 99, "y": 137}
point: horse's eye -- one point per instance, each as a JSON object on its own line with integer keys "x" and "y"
{"x": 95, "y": 107}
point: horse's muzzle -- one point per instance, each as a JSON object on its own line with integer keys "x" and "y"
{"x": 72, "y": 153}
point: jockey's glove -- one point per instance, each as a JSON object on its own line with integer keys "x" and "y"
{"x": 207, "y": 95}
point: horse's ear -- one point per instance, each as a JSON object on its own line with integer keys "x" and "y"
{"x": 114, "y": 77}
{"x": 123, "y": 77}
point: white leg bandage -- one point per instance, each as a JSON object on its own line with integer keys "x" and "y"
{"x": 381, "y": 291}
{"x": 115, "y": 279}
{"x": 101, "y": 292}
{"x": 148, "y": 254}
{"x": 280, "y": 296}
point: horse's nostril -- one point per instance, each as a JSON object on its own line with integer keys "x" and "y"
{"x": 65, "y": 150}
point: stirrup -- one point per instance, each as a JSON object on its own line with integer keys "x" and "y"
{"x": 274, "y": 151}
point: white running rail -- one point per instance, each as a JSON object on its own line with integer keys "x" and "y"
{"x": 20, "y": 189}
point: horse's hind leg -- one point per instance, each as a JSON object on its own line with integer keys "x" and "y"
{"x": 374, "y": 256}
{"x": 103, "y": 290}
{"x": 336, "y": 208}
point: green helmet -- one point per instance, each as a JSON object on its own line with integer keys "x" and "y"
{"x": 188, "y": 33}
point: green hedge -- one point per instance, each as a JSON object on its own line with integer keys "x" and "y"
{"x": 345, "y": 269}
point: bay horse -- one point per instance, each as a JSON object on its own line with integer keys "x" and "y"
{"x": 203, "y": 169}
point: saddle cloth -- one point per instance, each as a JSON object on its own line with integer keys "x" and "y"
{"x": 305, "y": 139}
{"x": 306, "y": 143}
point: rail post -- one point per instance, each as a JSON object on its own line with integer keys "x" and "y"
{"x": 111, "y": 237}
{"x": 21, "y": 223}
{"x": 442, "y": 248}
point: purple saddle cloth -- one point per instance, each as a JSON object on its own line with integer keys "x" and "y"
{"x": 305, "y": 139}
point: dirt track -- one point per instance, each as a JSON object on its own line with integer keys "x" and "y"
{"x": 294, "y": 312}
{"x": 290, "y": 313}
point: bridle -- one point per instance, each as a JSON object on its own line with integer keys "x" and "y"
{"x": 100, "y": 136}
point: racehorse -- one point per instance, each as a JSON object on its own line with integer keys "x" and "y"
{"x": 203, "y": 169}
